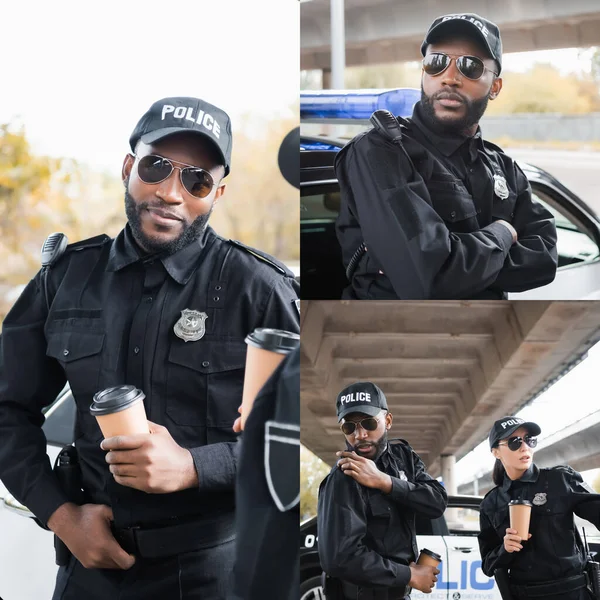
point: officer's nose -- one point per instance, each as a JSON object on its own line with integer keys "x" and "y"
{"x": 171, "y": 190}
{"x": 360, "y": 433}
{"x": 452, "y": 76}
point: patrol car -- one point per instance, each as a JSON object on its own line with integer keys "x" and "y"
{"x": 27, "y": 551}
{"x": 322, "y": 272}
{"x": 453, "y": 536}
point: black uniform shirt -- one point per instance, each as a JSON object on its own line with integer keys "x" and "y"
{"x": 427, "y": 217}
{"x": 268, "y": 491}
{"x": 367, "y": 537}
{"x": 551, "y": 552}
{"x": 111, "y": 322}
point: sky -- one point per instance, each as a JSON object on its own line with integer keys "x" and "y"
{"x": 81, "y": 74}
{"x": 567, "y": 401}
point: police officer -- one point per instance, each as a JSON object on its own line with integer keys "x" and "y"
{"x": 268, "y": 477}
{"x": 367, "y": 505}
{"x": 550, "y": 562}
{"x": 441, "y": 213}
{"x": 165, "y": 306}
{"x": 268, "y": 490}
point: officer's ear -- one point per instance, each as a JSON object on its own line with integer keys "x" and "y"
{"x": 127, "y": 166}
{"x": 496, "y": 452}
{"x": 495, "y": 89}
{"x": 388, "y": 420}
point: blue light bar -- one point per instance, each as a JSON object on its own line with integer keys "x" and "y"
{"x": 356, "y": 104}
{"x": 316, "y": 146}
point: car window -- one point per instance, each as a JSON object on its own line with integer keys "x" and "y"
{"x": 574, "y": 244}
{"x": 320, "y": 202}
{"x": 462, "y": 520}
{"x": 60, "y": 419}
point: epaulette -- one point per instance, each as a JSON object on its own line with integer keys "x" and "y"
{"x": 564, "y": 468}
{"x": 489, "y": 492}
{"x": 94, "y": 242}
{"x": 266, "y": 258}
{"x": 398, "y": 441}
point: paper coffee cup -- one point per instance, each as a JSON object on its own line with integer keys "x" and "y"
{"x": 520, "y": 513}
{"x": 120, "y": 411}
{"x": 429, "y": 558}
{"x": 266, "y": 349}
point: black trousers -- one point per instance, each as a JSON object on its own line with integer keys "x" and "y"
{"x": 200, "y": 575}
{"x": 581, "y": 594}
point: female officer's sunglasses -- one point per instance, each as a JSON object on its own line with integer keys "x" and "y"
{"x": 470, "y": 66}
{"x": 514, "y": 443}
{"x": 369, "y": 424}
{"x": 154, "y": 169}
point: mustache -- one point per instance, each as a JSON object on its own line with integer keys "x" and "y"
{"x": 446, "y": 95}
{"x": 162, "y": 209}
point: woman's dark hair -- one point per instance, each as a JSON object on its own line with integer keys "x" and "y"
{"x": 498, "y": 472}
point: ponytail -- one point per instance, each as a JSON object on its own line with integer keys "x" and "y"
{"x": 498, "y": 472}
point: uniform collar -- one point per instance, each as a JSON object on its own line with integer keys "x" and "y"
{"x": 180, "y": 266}
{"x": 447, "y": 143}
{"x": 530, "y": 476}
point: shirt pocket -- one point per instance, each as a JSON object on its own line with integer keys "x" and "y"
{"x": 504, "y": 208}
{"x": 205, "y": 382}
{"x": 453, "y": 203}
{"x": 379, "y": 519}
{"x": 80, "y": 355}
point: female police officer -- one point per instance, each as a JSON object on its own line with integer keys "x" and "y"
{"x": 550, "y": 562}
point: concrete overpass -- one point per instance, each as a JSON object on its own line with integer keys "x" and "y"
{"x": 577, "y": 446}
{"x": 447, "y": 368}
{"x": 383, "y": 31}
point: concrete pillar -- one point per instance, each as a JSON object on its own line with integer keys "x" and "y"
{"x": 448, "y": 463}
{"x": 338, "y": 45}
{"x": 326, "y": 79}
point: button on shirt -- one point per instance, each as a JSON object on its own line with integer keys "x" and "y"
{"x": 112, "y": 322}
{"x": 551, "y": 552}
{"x": 426, "y": 212}
{"x": 368, "y": 538}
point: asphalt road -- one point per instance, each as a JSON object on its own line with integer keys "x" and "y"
{"x": 579, "y": 171}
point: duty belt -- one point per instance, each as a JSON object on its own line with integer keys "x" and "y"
{"x": 351, "y": 592}
{"x": 147, "y": 542}
{"x": 549, "y": 588}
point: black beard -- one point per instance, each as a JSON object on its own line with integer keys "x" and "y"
{"x": 473, "y": 113}
{"x": 380, "y": 446}
{"x": 191, "y": 231}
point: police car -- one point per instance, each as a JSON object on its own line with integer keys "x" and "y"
{"x": 453, "y": 536}
{"x": 27, "y": 560}
{"x": 322, "y": 272}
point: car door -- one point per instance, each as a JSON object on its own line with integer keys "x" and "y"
{"x": 27, "y": 552}
{"x": 578, "y": 275}
{"x": 461, "y": 577}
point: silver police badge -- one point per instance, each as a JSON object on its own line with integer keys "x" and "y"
{"x": 403, "y": 476}
{"x": 539, "y": 499}
{"x": 500, "y": 187}
{"x": 190, "y": 327}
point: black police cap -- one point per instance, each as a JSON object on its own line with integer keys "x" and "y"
{"x": 186, "y": 115}
{"x": 505, "y": 426}
{"x": 361, "y": 397}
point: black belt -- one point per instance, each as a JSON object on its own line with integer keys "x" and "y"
{"x": 351, "y": 592}
{"x": 175, "y": 539}
{"x": 550, "y": 588}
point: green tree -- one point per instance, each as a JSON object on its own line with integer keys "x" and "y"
{"x": 312, "y": 471}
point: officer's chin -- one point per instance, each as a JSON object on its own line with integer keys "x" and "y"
{"x": 367, "y": 451}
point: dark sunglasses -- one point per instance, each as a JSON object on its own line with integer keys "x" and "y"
{"x": 514, "y": 443}
{"x": 369, "y": 424}
{"x": 470, "y": 66}
{"x": 154, "y": 169}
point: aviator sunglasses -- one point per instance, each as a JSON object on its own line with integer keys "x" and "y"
{"x": 153, "y": 169}
{"x": 470, "y": 66}
{"x": 368, "y": 424}
{"x": 514, "y": 443}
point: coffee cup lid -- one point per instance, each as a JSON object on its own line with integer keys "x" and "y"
{"x": 274, "y": 340}
{"x": 115, "y": 399}
{"x": 520, "y": 502}
{"x": 432, "y": 554}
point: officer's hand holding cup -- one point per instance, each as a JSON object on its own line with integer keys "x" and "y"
{"x": 423, "y": 577}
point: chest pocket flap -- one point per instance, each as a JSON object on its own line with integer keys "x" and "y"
{"x": 69, "y": 346}
{"x": 451, "y": 199}
{"x": 209, "y": 355}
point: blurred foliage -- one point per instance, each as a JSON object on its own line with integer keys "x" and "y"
{"x": 40, "y": 195}
{"x": 312, "y": 471}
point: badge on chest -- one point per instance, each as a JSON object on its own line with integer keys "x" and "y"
{"x": 191, "y": 325}
{"x": 500, "y": 187}
{"x": 539, "y": 499}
